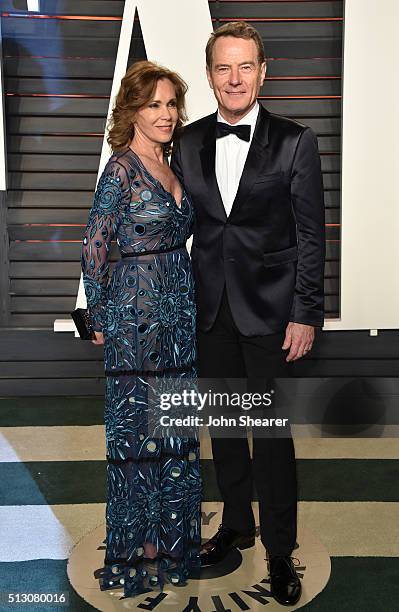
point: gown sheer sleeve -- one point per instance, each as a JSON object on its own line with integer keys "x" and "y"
{"x": 104, "y": 219}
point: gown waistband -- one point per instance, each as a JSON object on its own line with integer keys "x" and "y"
{"x": 155, "y": 251}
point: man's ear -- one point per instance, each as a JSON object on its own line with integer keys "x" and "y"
{"x": 263, "y": 69}
{"x": 208, "y": 76}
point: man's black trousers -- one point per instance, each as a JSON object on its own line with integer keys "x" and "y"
{"x": 225, "y": 353}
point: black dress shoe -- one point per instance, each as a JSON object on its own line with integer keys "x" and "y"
{"x": 215, "y": 549}
{"x": 285, "y": 585}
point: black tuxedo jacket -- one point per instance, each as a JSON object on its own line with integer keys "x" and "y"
{"x": 269, "y": 252}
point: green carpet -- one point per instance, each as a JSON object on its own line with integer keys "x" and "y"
{"x": 36, "y": 411}
{"x": 83, "y": 482}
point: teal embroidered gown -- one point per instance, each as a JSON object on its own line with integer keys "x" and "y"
{"x": 146, "y": 312}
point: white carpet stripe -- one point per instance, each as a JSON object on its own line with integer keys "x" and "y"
{"x": 80, "y": 443}
{"x": 347, "y": 448}
{"x": 359, "y": 529}
{"x": 32, "y": 532}
{"x": 45, "y": 532}
{"x": 8, "y": 449}
{"x": 64, "y": 443}
{"x": 346, "y": 528}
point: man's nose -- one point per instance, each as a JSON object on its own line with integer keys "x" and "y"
{"x": 235, "y": 77}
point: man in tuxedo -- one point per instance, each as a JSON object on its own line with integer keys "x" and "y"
{"x": 258, "y": 260}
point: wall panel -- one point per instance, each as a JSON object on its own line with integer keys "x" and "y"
{"x": 58, "y": 74}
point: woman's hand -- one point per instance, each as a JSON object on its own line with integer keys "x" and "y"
{"x": 99, "y": 338}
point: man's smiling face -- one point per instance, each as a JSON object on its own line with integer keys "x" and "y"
{"x": 235, "y": 76}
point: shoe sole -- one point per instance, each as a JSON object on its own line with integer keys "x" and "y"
{"x": 283, "y": 603}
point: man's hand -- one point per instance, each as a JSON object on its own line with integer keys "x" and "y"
{"x": 99, "y": 338}
{"x": 299, "y": 339}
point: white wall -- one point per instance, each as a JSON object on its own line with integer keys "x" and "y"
{"x": 370, "y": 167}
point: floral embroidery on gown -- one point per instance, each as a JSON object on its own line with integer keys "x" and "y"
{"x": 147, "y": 314}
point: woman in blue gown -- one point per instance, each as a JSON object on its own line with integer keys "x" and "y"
{"x": 145, "y": 317}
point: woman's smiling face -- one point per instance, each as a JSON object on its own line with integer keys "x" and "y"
{"x": 157, "y": 120}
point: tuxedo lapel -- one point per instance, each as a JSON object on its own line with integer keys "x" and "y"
{"x": 255, "y": 159}
{"x": 208, "y": 155}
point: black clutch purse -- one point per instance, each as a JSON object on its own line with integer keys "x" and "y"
{"x": 81, "y": 318}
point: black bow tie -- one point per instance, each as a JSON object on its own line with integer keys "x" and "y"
{"x": 241, "y": 131}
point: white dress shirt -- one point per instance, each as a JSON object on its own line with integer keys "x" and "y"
{"x": 231, "y": 153}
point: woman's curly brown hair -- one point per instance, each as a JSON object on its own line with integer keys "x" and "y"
{"x": 137, "y": 89}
